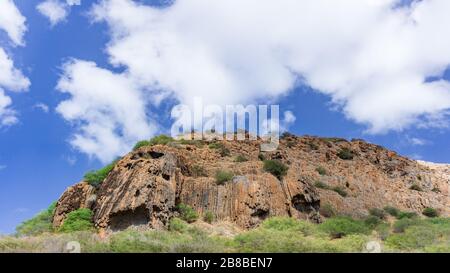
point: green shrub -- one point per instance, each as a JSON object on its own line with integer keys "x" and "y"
{"x": 40, "y": 223}
{"x": 343, "y": 226}
{"x": 187, "y": 213}
{"x": 430, "y": 212}
{"x": 415, "y": 187}
{"x": 208, "y": 217}
{"x": 392, "y": 211}
{"x": 416, "y": 237}
{"x": 322, "y": 185}
{"x": 140, "y": 144}
{"x": 402, "y": 224}
{"x": 223, "y": 176}
{"x": 276, "y": 168}
{"x": 341, "y": 191}
{"x": 288, "y": 235}
{"x": 78, "y": 220}
{"x": 321, "y": 170}
{"x": 377, "y": 213}
{"x": 223, "y": 151}
{"x": 289, "y": 224}
{"x": 240, "y": 158}
{"x": 345, "y": 154}
{"x": 198, "y": 171}
{"x": 407, "y": 215}
{"x": 178, "y": 225}
{"x": 95, "y": 178}
{"x": 261, "y": 157}
{"x": 161, "y": 140}
{"x": 327, "y": 210}
{"x": 193, "y": 142}
{"x": 313, "y": 146}
{"x": 372, "y": 221}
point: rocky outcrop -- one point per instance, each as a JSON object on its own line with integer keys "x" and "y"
{"x": 145, "y": 186}
{"x": 81, "y": 195}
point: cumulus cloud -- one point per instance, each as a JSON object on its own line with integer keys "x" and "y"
{"x": 55, "y": 10}
{"x": 108, "y": 112}
{"x": 371, "y": 58}
{"x": 12, "y": 21}
{"x": 11, "y": 79}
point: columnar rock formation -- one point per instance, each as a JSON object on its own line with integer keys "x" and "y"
{"x": 146, "y": 185}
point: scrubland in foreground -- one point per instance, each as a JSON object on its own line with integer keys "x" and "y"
{"x": 336, "y": 234}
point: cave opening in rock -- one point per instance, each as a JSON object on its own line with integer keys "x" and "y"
{"x": 306, "y": 206}
{"x": 132, "y": 217}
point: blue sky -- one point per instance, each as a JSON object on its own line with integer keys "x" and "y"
{"x": 38, "y": 158}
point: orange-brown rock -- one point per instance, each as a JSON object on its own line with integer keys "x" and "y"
{"x": 81, "y": 195}
{"x": 146, "y": 185}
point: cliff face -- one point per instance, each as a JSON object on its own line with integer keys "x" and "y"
{"x": 146, "y": 185}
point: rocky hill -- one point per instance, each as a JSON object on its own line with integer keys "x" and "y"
{"x": 348, "y": 177}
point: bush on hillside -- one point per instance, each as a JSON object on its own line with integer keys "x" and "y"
{"x": 240, "y": 158}
{"x": 187, "y": 213}
{"x": 95, "y": 178}
{"x": 392, "y": 211}
{"x": 430, "y": 212}
{"x": 321, "y": 170}
{"x": 208, "y": 217}
{"x": 345, "y": 154}
{"x": 342, "y": 226}
{"x": 78, "y": 220}
{"x": 223, "y": 176}
{"x": 198, "y": 171}
{"x": 40, "y": 223}
{"x": 276, "y": 168}
{"x": 381, "y": 214}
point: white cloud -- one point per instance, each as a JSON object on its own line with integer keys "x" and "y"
{"x": 54, "y": 10}
{"x": 42, "y": 106}
{"x": 7, "y": 115}
{"x": 108, "y": 112}
{"x": 12, "y": 21}
{"x": 289, "y": 117}
{"x": 11, "y": 79}
{"x": 370, "y": 58}
{"x": 415, "y": 141}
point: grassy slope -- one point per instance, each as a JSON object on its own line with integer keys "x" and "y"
{"x": 274, "y": 235}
